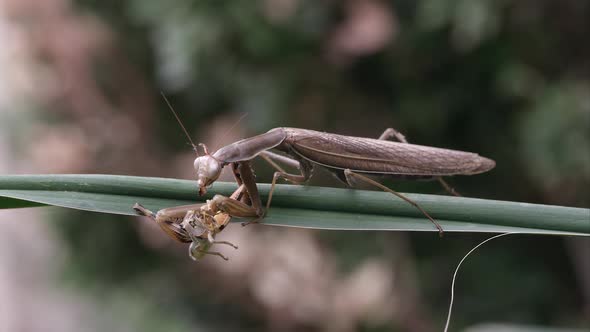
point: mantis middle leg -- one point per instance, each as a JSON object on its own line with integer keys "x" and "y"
{"x": 304, "y": 167}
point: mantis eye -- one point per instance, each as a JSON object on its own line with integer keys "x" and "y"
{"x": 213, "y": 168}
{"x": 197, "y": 163}
{"x": 208, "y": 170}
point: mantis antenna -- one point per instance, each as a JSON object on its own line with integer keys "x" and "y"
{"x": 180, "y": 123}
{"x": 220, "y": 139}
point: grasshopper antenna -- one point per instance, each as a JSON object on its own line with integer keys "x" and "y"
{"x": 180, "y": 123}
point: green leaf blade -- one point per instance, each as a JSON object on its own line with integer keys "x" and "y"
{"x": 298, "y": 206}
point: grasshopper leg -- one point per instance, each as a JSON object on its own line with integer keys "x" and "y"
{"x": 174, "y": 230}
{"x": 253, "y": 221}
{"x": 226, "y": 243}
{"x": 390, "y": 133}
{"x": 143, "y": 211}
{"x": 212, "y": 241}
{"x": 349, "y": 174}
{"x": 194, "y": 249}
{"x": 215, "y": 253}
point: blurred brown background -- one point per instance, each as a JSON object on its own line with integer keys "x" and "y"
{"x": 79, "y": 93}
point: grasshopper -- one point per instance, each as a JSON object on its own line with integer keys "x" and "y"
{"x": 198, "y": 224}
{"x": 192, "y": 224}
{"x": 349, "y": 158}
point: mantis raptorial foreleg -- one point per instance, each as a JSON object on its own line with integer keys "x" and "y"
{"x": 243, "y": 172}
{"x": 235, "y": 208}
{"x": 232, "y": 207}
{"x": 390, "y": 133}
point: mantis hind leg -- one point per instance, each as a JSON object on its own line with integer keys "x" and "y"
{"x": 391, "y": 133}
{"x": 448, "y": 188}
{"x": 350, "y": 174}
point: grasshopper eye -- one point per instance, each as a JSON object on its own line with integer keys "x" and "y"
{"x": 197, "y": 163}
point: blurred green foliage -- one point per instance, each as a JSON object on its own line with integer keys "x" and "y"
{"x": 507, "y": 79}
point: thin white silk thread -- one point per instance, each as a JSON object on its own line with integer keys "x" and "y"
{"x": 457, "y": 270}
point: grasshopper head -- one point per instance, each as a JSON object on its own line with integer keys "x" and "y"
{"x": 198, "y": 249}
{"x": 208, "y": 170}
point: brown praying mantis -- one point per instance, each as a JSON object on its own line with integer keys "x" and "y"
{"x": 350, "y": 159}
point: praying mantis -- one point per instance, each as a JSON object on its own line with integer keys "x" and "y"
{"x": 351, "y": 159}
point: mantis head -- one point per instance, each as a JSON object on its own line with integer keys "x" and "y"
{"x": 207, "y": 167}
{"x": 208, "y": 170}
